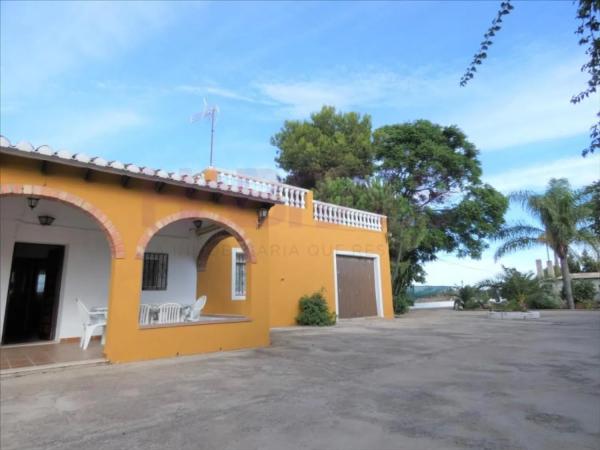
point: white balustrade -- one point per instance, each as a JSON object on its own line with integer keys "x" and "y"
{"x": 341, "y": 215}
{"x": 199, "y": 177}
{"x": 290, "y": 195}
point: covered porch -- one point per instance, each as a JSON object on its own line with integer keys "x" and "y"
{"x": 53, "y": 257}
{"x": 110, "y": 255}
{"x": 56, "y": 276}
{"x": 193, "y": 273}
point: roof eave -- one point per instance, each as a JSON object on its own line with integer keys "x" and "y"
{"x": 210, "y": 187}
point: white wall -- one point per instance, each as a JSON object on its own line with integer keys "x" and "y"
{"x": 86, "y": 266}
{"x": 182, "y": 246}
{"x": 593, "y": 277}
{"x": 448, "y": 304}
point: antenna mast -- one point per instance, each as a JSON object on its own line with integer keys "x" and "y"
{"x": 212, "y": 133}
{"x": 208, "y": 112}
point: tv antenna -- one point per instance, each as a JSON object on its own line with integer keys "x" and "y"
{"x": 209, "y": 111}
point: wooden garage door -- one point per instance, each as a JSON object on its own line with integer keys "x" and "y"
{"x": 356, "y": 287}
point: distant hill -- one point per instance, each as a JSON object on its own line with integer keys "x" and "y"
{"x": 420, "y": 292}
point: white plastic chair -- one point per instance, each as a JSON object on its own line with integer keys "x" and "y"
{"x": 169, "y": 313}
{"x": 144, "y": 316}
{"x": 197, "y": 308}
{"x": 91, "y": 321}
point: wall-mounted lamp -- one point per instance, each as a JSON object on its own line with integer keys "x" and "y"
{"x": 262, "y": 215}
{"x": 32, "y": 202}
{"x": 46, "y": 220}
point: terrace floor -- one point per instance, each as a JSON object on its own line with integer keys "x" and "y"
{"x": 33, "y": 355}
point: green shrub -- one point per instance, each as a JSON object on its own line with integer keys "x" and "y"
{"x": 511, "y": 305}
{"x": 590, "y": 304}
{"x": 522, "y": 291}
{"x": 469, "y": 297}
{"x": 588, "y": 263}
{"x": 314, "y": 311}
{"x": 544, "y": 300}
{"x": 583, "y": 291}
{"x": 402, "y": 303}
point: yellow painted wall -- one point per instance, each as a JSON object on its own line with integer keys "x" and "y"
{"x": 215, "y": 282}
{"x": 294, "y": 257}
{"x": 132, "y": 210}
{"x": 301, "y": 258}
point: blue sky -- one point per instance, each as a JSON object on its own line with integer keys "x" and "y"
{"x": 122, "y": 79}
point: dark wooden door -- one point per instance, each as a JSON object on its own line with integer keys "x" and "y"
{"x": 356, "y": 287}
{"x": 33, "y": 293}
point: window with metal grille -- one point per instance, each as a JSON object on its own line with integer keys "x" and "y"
{"x": 156, "y": 267}
{"x": 238, "y": 274}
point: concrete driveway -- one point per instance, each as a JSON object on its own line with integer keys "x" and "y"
{"x": 430, "y": 380}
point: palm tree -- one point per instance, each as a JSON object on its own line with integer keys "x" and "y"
{"x": 565, "y": 220}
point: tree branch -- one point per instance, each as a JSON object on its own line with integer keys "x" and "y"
{"x": 505, "y": 8}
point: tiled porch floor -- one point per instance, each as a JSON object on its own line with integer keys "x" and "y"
{"x": 39, "y": 355}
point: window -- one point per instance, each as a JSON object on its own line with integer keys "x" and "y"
{"x": 155, "y": 272}
{"x": 238, "y": 274}
{"x": 41, "y": 282}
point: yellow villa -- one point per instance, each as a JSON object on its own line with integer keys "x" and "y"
{"x": 167, "y": 264}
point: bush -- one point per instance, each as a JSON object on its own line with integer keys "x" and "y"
{"x": 314, "y": 311}
{"x": 588, "y": 263}
{"x": 468, "y": 297}
{"x": 583, "y": 291}
{"x": 522, "y": 291}
{"x": 545, "y": 300}
{"x": 402, "y": 303}
{"x": 511, "y": 305}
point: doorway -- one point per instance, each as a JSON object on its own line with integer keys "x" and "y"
{"x": 357, "y": 284}
{"x": 33, "y": 293}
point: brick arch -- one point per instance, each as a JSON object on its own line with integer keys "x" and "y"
{"x": 231, "y": 228}
{"x": 209, "y": 246}
{"x": 117, "y": 247}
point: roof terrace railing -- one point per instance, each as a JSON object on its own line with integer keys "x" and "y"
{"x": 290, "y": 195}
{"x": 296, "y": 197}
{"x": 341, "y": 215}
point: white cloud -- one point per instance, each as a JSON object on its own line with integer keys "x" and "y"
{"x": 527, "y": 102}
{"x": 299, "y": 99}
{"x": 352, "y": 90}
{"x": 528, "y": 105}
{"x": 216, "y": 91}
{"x": 77, "y": 131}
{"x": 578, "y": 170}
{"x": 449, "y": 270}
{"x": 68, "y": 36}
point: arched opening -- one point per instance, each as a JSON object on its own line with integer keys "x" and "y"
{"x": 117, "y": 247}
{"x": 195, "y": 270}
{"x": 52, "y": 252}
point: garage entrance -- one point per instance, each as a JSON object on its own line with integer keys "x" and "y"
{"x": 357, "y": 285}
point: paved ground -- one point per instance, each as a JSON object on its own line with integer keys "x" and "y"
{"x": 430, "y": 380}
